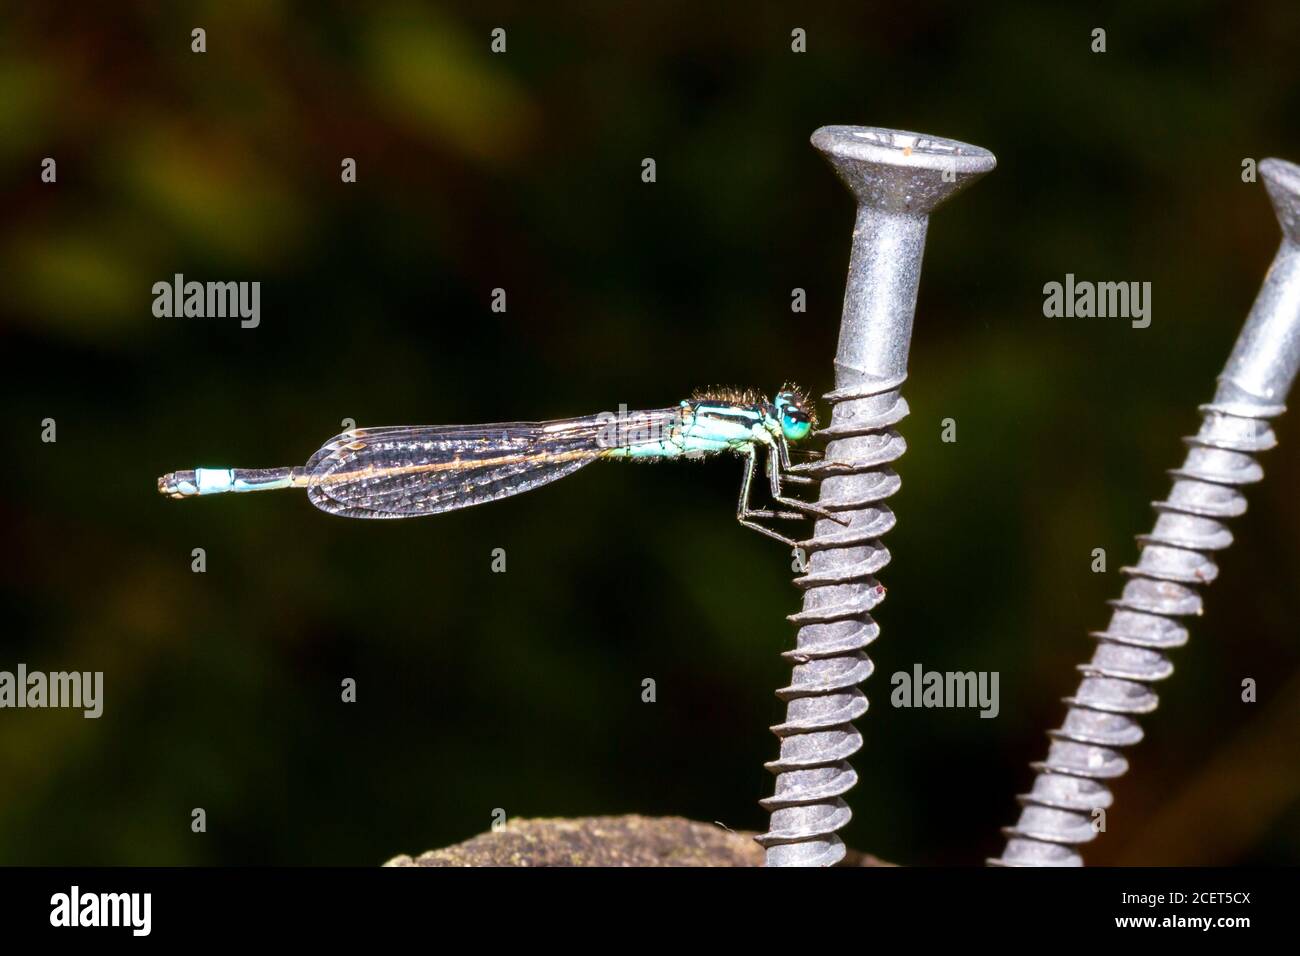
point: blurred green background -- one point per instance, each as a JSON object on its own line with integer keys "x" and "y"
{"x": 521, "y": 690}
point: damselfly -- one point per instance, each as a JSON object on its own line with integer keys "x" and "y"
{"x": 402, "y": 472}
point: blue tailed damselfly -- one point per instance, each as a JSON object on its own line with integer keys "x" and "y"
{"x": 402, "y": 472}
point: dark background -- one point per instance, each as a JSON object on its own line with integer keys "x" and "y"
{"x": 522, "y": 690}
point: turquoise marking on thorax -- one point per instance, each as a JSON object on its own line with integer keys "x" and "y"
{"x": 707, "y": 428}
{"x": 720, "y": 427}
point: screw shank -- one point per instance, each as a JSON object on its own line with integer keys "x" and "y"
{"x": 1264, "y": 360}
{"x": 1263, "y": 363}
{"x": 879, "y": 298}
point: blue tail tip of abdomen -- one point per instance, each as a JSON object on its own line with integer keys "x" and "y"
{"x": 200, "y": 481}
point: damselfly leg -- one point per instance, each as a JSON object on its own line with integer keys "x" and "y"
{"x": 807, "y": 507}
{"x": 783, "y": 471}
{"x": 745, "y": 514}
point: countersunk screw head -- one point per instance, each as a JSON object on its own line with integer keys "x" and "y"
{"x": 898, "y": 171}
{"x": 1282, "y": 180}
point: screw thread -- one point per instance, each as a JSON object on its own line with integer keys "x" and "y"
{"x": 835, "y": 626}
{"x": 1117, "y": 686}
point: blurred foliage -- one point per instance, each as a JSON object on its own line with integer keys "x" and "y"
{"x": 522, "y": 171}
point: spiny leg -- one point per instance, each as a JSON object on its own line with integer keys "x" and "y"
{"x": 743, "y": 510}
{"x": 783, "y": 452}
{"x": 744, "y": 513}
{"x": 787, "y": 468}
{"x": 816, "y": 461}
{"x": 775, "y": 476}
{"x": 788, "y": 542}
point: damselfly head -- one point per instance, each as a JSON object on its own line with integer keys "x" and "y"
{"x": 797, "y": 415}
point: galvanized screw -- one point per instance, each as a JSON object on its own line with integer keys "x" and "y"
{"x": 898, "y": 179}
{"x": 1057, "y": 813}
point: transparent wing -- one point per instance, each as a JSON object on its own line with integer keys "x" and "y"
{"x": 402, "y": 472}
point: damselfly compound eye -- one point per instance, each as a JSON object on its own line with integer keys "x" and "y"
{"x": 795, "y": 427}
{"x": 796, "y": 417}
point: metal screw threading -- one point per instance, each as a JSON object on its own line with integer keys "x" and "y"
{"x": 898, "y": 178}
{"x": 1057, "y": 813}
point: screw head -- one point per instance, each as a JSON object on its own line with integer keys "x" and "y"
{"x": 899, "y": 171}
{"x": 1282, "y": 180}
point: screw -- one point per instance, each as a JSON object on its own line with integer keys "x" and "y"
{"x": 898, "y": 178}
{"x": 1174, "y": 559}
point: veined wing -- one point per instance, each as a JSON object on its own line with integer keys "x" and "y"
{"x": 401, "y": 472}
